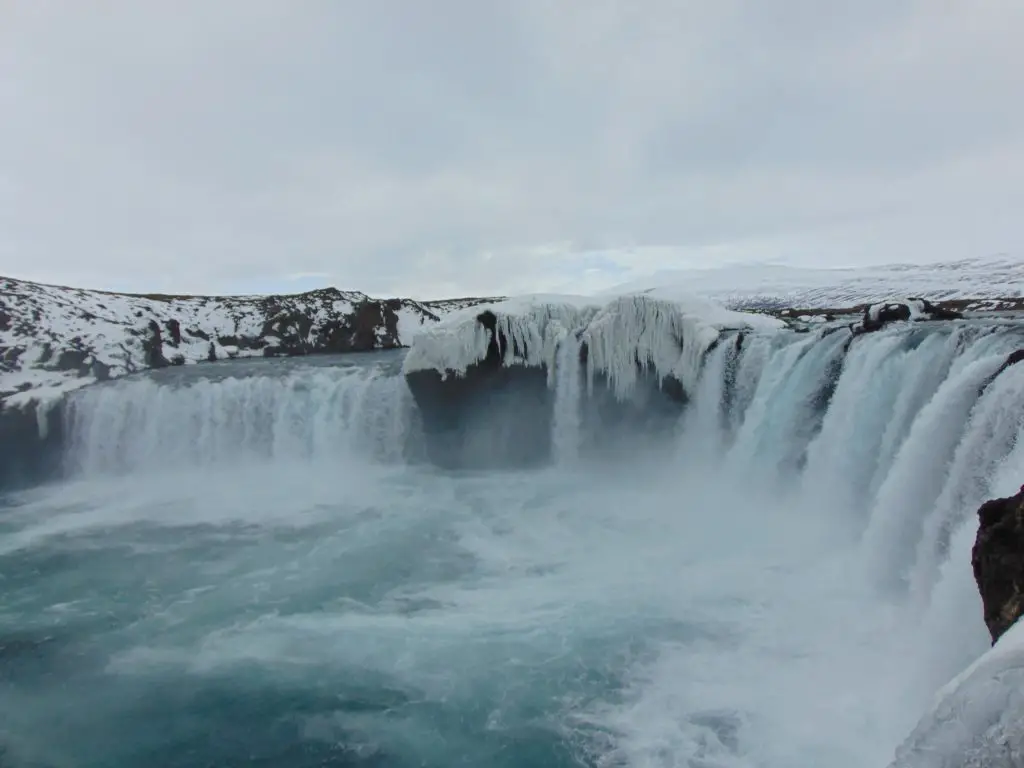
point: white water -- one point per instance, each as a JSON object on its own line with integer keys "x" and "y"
{"x": 267, "y": 558}
{"x": 568, "y": 389}
{"x": 282, "y": 413}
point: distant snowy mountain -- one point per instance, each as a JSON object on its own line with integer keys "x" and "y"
{"x": 777, "y": 286}
{"x": 53, "y": 338}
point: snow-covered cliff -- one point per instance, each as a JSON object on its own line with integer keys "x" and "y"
{"x": 54, "y": 339}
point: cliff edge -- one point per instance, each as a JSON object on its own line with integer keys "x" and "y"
{"x": 998, "y": 562}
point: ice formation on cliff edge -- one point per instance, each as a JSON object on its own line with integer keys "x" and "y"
{"x": 974, "y": 721}
{"x": 660, "y": 329}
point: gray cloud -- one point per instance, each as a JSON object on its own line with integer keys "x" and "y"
{"x": 464, "y": 147}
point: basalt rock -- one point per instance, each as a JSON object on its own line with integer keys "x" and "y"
{"x": 877, "y": 316}
{"x": 998, "y": 562}
{"x": 1011, "y": 360}
{"x": 491, "y": 415}
{"x": 31, "y": 436}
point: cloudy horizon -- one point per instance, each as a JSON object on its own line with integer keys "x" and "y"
{"x": 469, "y": 148}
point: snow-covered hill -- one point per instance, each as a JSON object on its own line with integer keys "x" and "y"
{"x": 53, "y": 339}
{"x": 980, "y": 282}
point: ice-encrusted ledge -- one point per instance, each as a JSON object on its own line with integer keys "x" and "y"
{"x": 977, "y": 719}
{"x": 622, "y": 336}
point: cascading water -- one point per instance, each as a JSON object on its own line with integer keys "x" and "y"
{"x": 196, "y": 421}
{"x": 256, "y": 563}
{"x": 568, "y": 390}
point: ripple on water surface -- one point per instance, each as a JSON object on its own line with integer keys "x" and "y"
{"x": 369, "y": 616}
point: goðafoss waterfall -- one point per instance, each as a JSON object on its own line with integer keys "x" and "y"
{"x": 629, "y": 534}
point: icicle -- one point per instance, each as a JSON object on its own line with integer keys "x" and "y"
{"x": 639, "y": 330}
{"x": 452, "y": 348}
{"x": 622, "y": 335}
{"x": 43, "y": 408}
{"x": 553, "y": 342}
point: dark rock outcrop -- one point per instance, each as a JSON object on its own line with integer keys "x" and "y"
{"x": 30, "y": 444}
{"x": 492, "y": 415}
{"x": 998, "y": 562}
{"x": 877, "y": 316}
{"x": 1012, "y": 359}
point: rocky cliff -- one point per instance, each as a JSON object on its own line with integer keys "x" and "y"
{"x": 54, "y": 338}
{"x": 998, "y": 561}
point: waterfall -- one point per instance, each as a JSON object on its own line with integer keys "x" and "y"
{"x": 673, "y": 539}
{"x": 788, "y": 406}
{"x": 301, "y": 413}
{"x": 568, "y": 390}
{"x": 899, "y": 430}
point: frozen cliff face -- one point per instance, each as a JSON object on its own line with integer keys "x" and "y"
{"x": 53, "y": 339}
{"x": 638, "y": 358}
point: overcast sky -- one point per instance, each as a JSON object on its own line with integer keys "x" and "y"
{"x": 452, "y": 147}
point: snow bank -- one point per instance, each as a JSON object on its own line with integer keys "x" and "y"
{"x": 760, "y": 284}
{"x": 663, "y": 329}
{"x": 977, "y": 719}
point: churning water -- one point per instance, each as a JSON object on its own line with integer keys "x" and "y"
{"x": 252, "y": 564}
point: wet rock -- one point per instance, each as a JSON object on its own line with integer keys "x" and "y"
{"x": 674, "y": 390}
{"x": 877, "y": 316}
{"x": 1012, "y": 359}
{"x": 998, "y": 562}
{"x": 513, "y": 403}
{"x": 153, "y": 346}
{"x": 77, "y": 360}
{"x": 939, "y": 311}
{"x": 31, "y": 437}
{"x": 174, "y": 329}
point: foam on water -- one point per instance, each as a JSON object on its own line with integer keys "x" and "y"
{"x": 261, "y": 568}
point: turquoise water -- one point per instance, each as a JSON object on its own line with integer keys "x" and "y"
{"x": 310, "y": 615}
{"x": 143, "y": 628}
